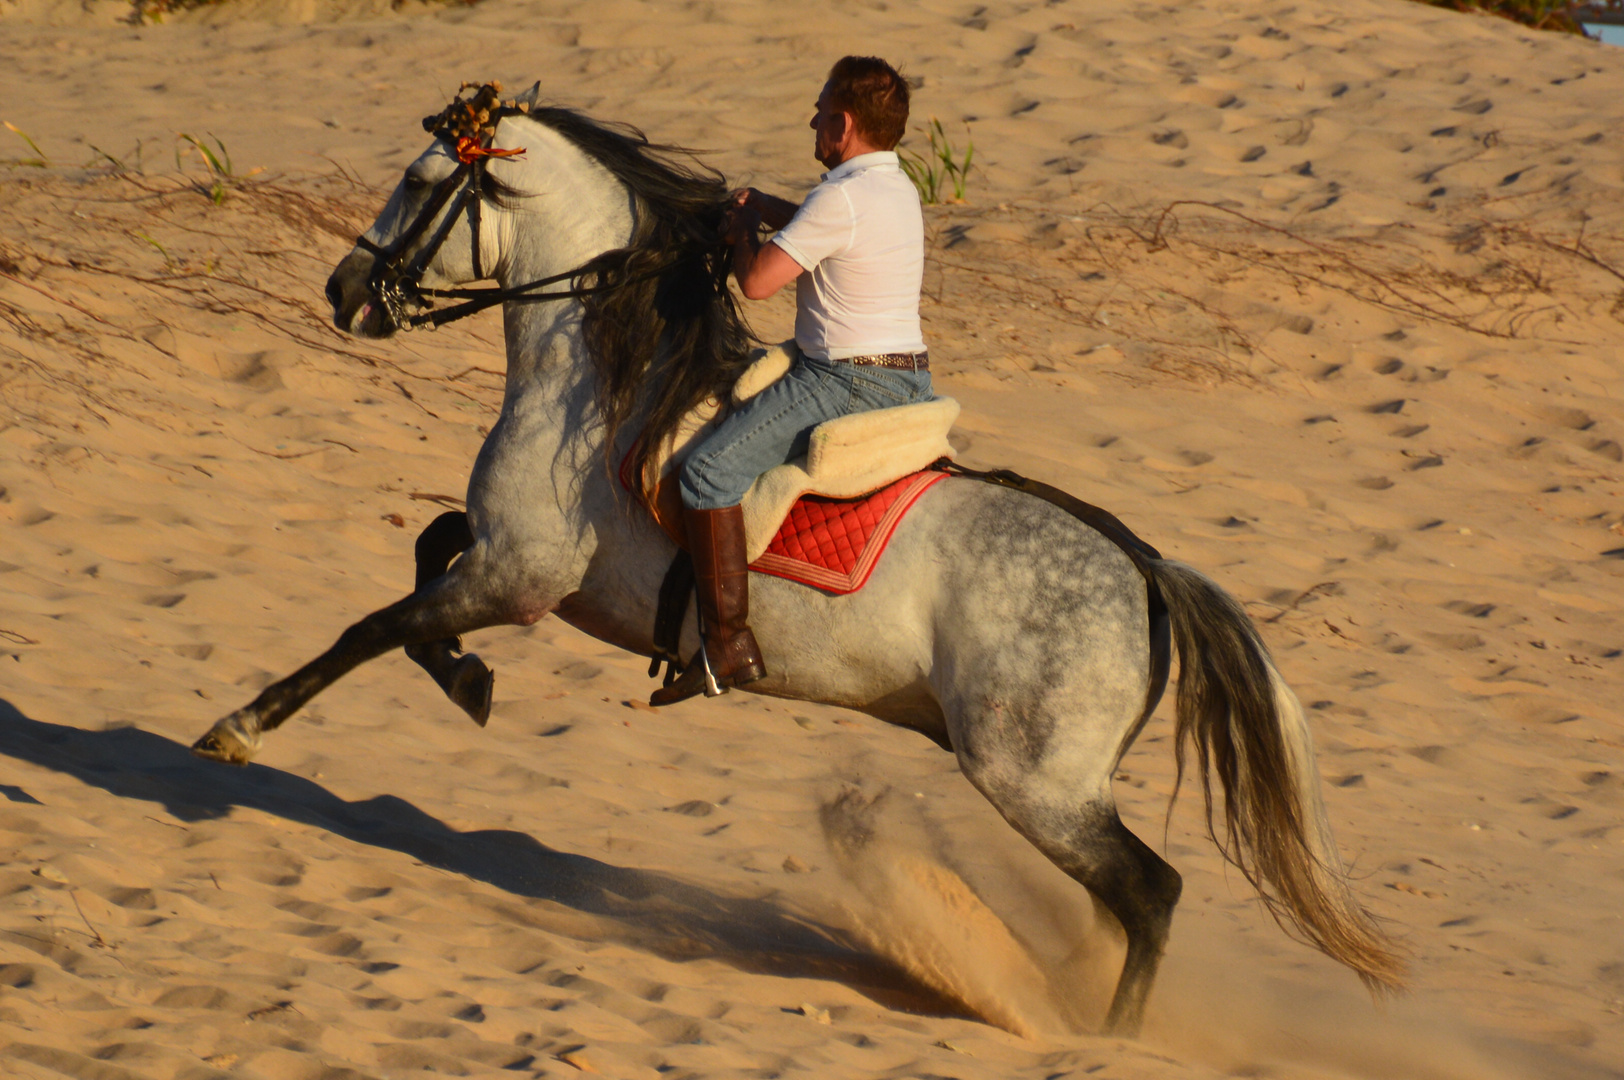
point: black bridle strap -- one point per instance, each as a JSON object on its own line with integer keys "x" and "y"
{"x": 388, "y": 273}
{"x": 437, "y": 200}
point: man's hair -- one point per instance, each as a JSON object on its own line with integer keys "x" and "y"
{"x": 875, "y": 95}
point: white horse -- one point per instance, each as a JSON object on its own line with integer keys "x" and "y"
{"x": 998, "y": 625}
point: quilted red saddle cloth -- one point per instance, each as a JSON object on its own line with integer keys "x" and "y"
{"x": 834, "y": 544}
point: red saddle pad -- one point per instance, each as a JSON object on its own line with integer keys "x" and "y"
{"x": 834, "y": 544}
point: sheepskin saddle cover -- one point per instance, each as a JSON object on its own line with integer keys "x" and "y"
{"x": 848, "y": 457}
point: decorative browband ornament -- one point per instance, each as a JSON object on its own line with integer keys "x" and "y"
{"x": 469, "y": 123}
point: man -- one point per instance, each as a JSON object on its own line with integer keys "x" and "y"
{"x": 856, "y": 252}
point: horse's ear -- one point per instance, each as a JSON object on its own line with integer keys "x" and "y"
{"x": 530, "y": 96}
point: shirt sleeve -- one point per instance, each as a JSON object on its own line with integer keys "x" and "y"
{"x": 820, "y": 228}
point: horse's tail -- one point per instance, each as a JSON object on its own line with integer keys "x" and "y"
{"x": 1248, "y": 727}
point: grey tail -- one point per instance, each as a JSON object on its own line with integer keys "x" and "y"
{"x": 1248, "y": 728}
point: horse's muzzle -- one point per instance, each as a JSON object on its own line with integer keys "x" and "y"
{"x": 355, "y": 310}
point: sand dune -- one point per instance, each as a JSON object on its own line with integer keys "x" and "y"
{"x": 1321, "y": 298}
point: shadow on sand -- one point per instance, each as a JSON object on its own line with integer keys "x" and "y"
{"x": 668, "y": 917}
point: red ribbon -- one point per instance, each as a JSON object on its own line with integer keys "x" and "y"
{"x": 469, "y": 149}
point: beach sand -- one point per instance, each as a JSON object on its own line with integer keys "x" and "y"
{"x": 1324, "y": 299}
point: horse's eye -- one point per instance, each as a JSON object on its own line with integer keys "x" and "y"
{"x": 415, "y": 182}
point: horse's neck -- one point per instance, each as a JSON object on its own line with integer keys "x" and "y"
{"x": 549, "y": 378}
{"x": 551, "y": 400}
{"x": 550, "y": 389}
{"x": 544, "y": 355}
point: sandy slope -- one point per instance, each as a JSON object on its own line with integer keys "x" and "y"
{"x": 1365, "y": 375}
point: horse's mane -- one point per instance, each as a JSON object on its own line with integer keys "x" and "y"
{"x": 669, "y": 333}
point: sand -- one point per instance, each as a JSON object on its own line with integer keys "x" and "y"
{"x": 1321, "y": 298}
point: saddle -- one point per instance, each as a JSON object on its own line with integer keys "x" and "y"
{"x": 848, "y": 458}
{"x": 890, "y": 455}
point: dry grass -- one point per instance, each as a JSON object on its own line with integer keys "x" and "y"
{"x": 83, "y": 310}
{"x": 1178, "y": 288}
{"x": 1564, "y": 16}
{"x": 156, "y": 10}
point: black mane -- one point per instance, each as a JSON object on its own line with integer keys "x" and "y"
{"x": 669, "y": 333}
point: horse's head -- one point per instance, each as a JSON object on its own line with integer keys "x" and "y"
{"x": 594, "y": 212}
{"x": 452, "y": 219}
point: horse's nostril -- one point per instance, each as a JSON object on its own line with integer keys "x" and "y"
{"x": 335, "y": 294}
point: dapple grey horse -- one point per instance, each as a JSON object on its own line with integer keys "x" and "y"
{"x": 1022, "y": 641}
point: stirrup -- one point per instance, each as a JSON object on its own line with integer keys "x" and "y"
{"x": 696, "y": 679}
{"x": 712, "y": 689}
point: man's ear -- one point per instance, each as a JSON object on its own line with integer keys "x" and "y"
{"x": 848, "y": 127}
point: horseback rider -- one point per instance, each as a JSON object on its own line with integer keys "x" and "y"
{"x": 856, "y": 252}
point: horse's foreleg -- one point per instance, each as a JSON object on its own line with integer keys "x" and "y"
{"x": 464, "y": 678}
{"x": 454, "y": 603}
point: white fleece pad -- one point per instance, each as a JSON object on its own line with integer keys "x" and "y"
{"x": 851, "y": 456}
{"x": 848, "y": 457}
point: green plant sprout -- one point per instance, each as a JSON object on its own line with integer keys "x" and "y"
{"x": 943, "y": 165}
{"x": 218, "y": 165}
{"x": 39, "y": 162}
{"x": 169, "y": 260}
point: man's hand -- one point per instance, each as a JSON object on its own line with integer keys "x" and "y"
{"x": 742, "y": 218}
{"x": 760, "y": 269}
{"x": 774, "y": 212}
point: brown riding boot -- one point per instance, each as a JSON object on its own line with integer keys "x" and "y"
{"x": 728, "y": 655}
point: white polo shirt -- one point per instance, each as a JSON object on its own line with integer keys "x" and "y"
{"x": 860, "y": 237}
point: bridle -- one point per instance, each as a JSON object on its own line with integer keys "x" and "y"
{"x": 396, "y": 280}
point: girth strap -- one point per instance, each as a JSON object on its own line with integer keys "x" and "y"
{"x": 668, "y": 615}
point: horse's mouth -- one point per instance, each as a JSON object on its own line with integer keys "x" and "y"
{"x": 357, "y": 309}
{"x": 370, "y": 320}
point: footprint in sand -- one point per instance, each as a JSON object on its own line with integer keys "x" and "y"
{"x": 1462, "y": 642}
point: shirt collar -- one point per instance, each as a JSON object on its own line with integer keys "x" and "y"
{"x": 860, "y": 162}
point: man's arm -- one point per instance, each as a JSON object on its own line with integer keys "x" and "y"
{"x": 760, "y": 269}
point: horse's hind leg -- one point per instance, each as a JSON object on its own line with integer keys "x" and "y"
{"x": 458, "y": 601}
{"x": 1058, "y": 796}
{"x": 1134, "y": 884}
{"x": 464, "y": 678}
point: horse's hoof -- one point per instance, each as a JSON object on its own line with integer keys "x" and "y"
{"x": 221, "y": 744}
{"x": 470, "y": 689}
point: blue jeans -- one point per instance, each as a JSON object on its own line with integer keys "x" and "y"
{"x": 776, "y": 425}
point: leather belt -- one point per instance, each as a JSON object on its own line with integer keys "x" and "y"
{"x": 905, "y": 361}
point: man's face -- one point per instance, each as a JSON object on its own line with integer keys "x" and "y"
{"x": 830, "y": 125}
